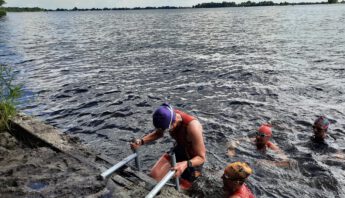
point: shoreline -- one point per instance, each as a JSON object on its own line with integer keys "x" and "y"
{"x": 38, "y": 160}
{"x": 198, "y": 6}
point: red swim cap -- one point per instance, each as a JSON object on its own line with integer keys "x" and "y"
{"x": 266, "y": 129}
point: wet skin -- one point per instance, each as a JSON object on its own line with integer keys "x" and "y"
{"x": 230, "y": 186}
{"x": 319, "y": 133}
{"x": 261, "y": 141}
{"x": 194, "y": 135}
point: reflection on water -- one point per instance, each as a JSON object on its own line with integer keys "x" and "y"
{"x": 37, "y": 185}
{"x": 99, "y": 76}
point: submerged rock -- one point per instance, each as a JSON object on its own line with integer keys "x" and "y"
{"x": 208, "y": 185}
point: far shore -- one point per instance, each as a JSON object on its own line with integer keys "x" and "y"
{"x": 202, "y": 5}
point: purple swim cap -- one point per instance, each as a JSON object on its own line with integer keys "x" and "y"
{"x": 322, "y": 121}
{"x": 163, "y": 117}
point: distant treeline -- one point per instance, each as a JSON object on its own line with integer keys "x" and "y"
{"x": 99, "y": 9}
{"x": 36, "y": 9}
{"x": 202, "y": 5}
{"x": 250, "y": 3}
{"x": 16, "y": 9}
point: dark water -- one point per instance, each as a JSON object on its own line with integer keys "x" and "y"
{"x": 99, "y": 76}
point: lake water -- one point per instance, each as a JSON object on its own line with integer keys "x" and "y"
{"x": 100, "y": 75}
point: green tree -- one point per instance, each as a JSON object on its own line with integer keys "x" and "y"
{"x": 332, "y": 1}
{"x": 9, "y": 94}
{"x": 2, "y": 12}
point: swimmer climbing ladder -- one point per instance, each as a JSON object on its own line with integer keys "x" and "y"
{"x": 165, "y": 179}
{"x": 46, "y": 135}
{"x": 135, "y": 156}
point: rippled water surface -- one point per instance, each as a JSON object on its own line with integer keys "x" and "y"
{"x": 100, "y": 75}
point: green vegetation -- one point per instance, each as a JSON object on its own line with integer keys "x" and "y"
{"x": 100, "y": 9}
{"x": 2, "y": 11}
{"x": 8, "y": 96}
{"x": 202, "y": 5}
{"x": 250, "y": 4}
{"x": 16, "y": 9}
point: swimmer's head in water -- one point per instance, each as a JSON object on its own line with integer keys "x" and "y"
{"x": 263, "y": 135}
{"x": 234, "y": 175}
{"x": 320, "y": 128}
{"x": 322, "y": 122}
{"x": 265, "y": 130}
{"x": 237, "y": 171}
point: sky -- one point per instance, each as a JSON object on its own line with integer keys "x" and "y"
{"x": 53, "y": 4}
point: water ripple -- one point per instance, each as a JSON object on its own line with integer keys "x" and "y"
{"x": 99, "y": 76}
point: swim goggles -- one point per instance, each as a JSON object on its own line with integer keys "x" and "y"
{"x": 260, "y": 134}
{"x": 226, "y": 177}
{"x": 171, "y": 117}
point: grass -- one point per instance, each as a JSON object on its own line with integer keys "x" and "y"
{"x": 8, "y": 96}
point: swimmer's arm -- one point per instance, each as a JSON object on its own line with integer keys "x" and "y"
{"x": 283, "y": 163}
{"x": 278, "y": 150}
{"x": 152, "y": 136}
{"x": 147, "y": 138}
{"x": 195, "y": 135}
{"x": 233, "y": 144}
{"x": 275, "y": 148}
{"x": 339, "y": 155}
